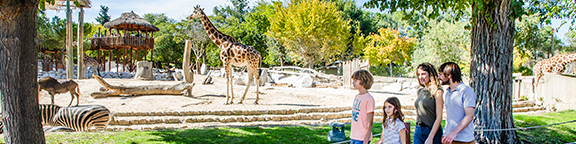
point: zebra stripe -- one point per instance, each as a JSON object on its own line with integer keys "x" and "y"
{"x": 81, "y": 118}
{"x": 57, "y": 129}
{"x": 48, "y": 111}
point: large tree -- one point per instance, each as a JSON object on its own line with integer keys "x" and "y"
{"x": 18, "y": 67}
{"x": 312, "y": 30}
{"x": 492, "y": 40}
{"x": 388, "y": 47}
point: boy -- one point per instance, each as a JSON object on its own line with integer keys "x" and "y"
{"x": 363, "y": 109}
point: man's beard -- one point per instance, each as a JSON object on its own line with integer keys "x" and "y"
{"x": 445, "y": 82}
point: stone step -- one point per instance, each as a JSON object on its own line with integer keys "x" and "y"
{"x": 230, "y": 118}
{"x": 276, "y": 112}
{"x": 143, "y": 120}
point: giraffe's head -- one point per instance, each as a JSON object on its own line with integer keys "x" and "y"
{"x": 198, "y": 12}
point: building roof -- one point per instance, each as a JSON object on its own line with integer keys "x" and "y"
{"x": 130, "y": 21}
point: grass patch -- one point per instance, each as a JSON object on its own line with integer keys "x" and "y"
{"x": 303, "y": 134}
{"x": 564, "y": 133}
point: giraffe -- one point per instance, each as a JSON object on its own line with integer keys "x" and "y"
{"x": 232, "y": 52}
{"x": 554, "y": 64}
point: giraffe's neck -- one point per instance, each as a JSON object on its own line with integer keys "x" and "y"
{"x": 216, "y": 36}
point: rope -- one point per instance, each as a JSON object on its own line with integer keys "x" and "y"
{"x": 525, "y": 128}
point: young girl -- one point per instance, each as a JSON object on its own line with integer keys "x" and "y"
{"x": 393, "y": 129}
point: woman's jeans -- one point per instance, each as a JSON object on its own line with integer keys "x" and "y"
{"x": 421, "y": 134}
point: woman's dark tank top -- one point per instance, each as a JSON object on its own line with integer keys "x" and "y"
{"x": 425, "y": 107}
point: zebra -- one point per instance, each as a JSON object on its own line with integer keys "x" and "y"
{"x": 83, "y": 117}
{"x": 48, "y": 111}
{"x": 77, "y": 118}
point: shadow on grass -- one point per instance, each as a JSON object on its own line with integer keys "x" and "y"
{"x": 287, "y": 134}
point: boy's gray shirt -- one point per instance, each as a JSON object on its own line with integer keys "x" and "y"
{"x": 455, "y": 102}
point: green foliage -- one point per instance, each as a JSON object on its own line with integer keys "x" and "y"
{"x": 277, "y": 53}
{"x": 103, "y": 16}
{"x": 428, "y": 9}
{"x": 389, "y": 47}
{"x": 166, "y": 50}
{"x": 571, "y": 38}
{"x": 52, "y": 32}
{"x": 384, "y": 70}
{"x": 444, "y": 42}
{"x": 558, "y": 9}
{"x": 313, "y": 31}
{"x": 194, "y": 31}
{"x": 360, "y": 20}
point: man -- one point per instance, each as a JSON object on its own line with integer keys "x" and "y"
{"x": 460, "y": 101}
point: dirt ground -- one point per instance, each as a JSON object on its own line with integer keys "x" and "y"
{"x": 213, "y": 96}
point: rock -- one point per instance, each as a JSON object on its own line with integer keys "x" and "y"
{"x": 303, "y": 81}
{"x": 405, "y": 85}
{"x": 414, "y": 85}
{"x": 393, "y": 87}
{"x": 204, "y": 69}
{"x": 222, "y": 72}
{"x": 178, "y": 75}
{"x": 144, "y": 70}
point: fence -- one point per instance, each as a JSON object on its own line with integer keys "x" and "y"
{"x": 349, "y": 67}
{"x": 554, "y": 90}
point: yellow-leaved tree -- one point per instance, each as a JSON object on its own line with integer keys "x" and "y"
{"x": 312, "y": 30}
{"x": 389, "y": 47}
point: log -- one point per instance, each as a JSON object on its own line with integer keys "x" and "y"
{"x": 115, "y": 91}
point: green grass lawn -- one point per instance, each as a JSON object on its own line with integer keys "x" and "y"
{"x": 555, "y": 134}
{"x": 303, "y": 134}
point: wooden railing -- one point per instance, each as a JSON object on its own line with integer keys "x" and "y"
{"x": 114, "y": 42}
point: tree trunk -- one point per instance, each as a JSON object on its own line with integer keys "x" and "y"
{"x": 18, "y": 72}
{"x": 188, "y": 75}
{"x": 114, "y": 90}
{"x": 491, "y": 73}
{"x": 390, "y": 67}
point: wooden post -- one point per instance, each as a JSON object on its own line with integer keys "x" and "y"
{"x": 117, "y": 59}
{"x": 188, "y": 75}
{"x": 109, "y": 59}
{"x": 99, "y": 58}
{"x": 80, "y": 43}
{"x": 69, "y": 50}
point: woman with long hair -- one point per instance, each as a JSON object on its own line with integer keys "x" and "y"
{"x": 429, "y": 105}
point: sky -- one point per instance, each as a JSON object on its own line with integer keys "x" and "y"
{"x": 181, "y": 9}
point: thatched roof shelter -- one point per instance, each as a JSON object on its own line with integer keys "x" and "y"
{"x": 61, "y": 4}
{"x": 130, "y": 21}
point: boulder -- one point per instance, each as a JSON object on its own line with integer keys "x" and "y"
{"x": 393, "y": 87}
{"x": 303, "y": 81}
{"x": 177, "y": 75}
{"x": 144, "y": 70}
{"x": 204, "y": 69}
